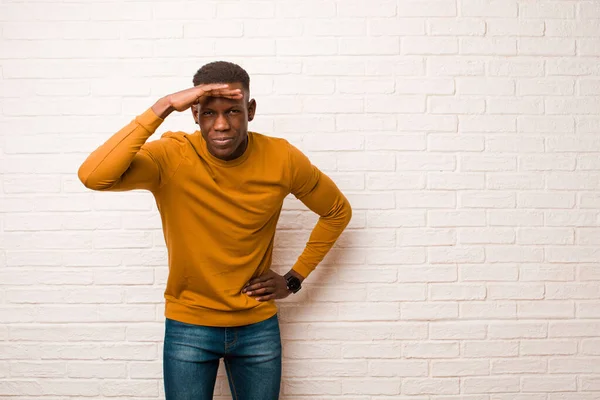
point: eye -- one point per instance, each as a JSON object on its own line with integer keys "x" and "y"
{"x": 207, "y": 112}
{"x": 234, "y": 111}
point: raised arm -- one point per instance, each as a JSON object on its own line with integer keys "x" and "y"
{"x": 126, "y": 161}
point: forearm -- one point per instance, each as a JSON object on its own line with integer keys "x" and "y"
{"x": 330, "y": 226}
{"x": 108, "y": 163}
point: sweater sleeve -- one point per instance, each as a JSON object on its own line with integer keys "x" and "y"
{"x": 320, "y": 194}
{"x": 126, "y": 161}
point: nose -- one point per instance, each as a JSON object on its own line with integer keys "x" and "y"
{"x": 221, "y": 123}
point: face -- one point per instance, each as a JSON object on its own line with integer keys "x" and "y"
{"x": 224, "y": 123}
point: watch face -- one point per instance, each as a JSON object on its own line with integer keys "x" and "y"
{"x": 293, "y": 284}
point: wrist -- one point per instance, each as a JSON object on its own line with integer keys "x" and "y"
{"x": 291, "y": 272}
{"x": 163, "y": 107}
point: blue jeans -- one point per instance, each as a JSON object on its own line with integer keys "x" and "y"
{"x": 252, "y": 356}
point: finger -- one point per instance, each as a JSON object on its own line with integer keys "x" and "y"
{"x": 262, "y": 291}
{"x": 266, "y": 298}
{"x": 229, "y": 95}
{"x": 222, "y": 92}
{"x": 260, "y": 285}
{"x": 212, "y": 86}
{"x": 263, "y": 278}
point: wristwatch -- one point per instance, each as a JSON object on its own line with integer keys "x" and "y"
{"x": 293, "y": 283}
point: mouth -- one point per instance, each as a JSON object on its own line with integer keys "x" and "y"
{"x": 222, "y": 142}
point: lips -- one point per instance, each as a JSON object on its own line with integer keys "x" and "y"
{"x": 222, "y": 141}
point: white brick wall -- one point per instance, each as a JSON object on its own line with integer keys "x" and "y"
{"x": 464, "y": 132}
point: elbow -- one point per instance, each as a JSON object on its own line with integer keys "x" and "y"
{"x": 88, "y": 180}
{"x": 346, "y": 212}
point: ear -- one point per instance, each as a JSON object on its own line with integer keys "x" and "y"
{"x": 194, "y": 109}
{"x": 251, "y": 109}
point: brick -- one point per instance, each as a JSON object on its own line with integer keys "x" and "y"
{"x": 488, "y": 46}
{"x": 533, "y": 236}
{"x": 489, "y": 348}
{"x": 360, "y": 9}
{"x": 456, "y": 27}
{"x": 455, "y": 66}
{"x": 458, "y": 143}
{"x": 588, "y": 273}
{"x": 519, "y": 366}
{"x": 427, "y": 8}
{"x": 590, "y": 347}
{"x": 546, "y": 46}
{"x": 488, "y": 8}
{"x": 486, "y": 236}
{"x": 515, "y": 106}
{"x": 548, "y": 162}
{"x": 547, "y": 10}
{"x": 396, "y": 26}
{"x": 371, "y": 386}
{"x": 392, "y": 368}
{"x": 395, "y": 219}
{"x": 412, "y": 386}
{"x": 514, "y": 144}
{"x": 426, "y": 162}
{"x": 571, "y": 28}
{"x": 456, "y": 331}
{"x": 548, "y": 309}
{"x": 426, "y": 199}
{"x": 455, "y": 181}
{"x": 369, "y": 86}
{"x": 563, "y": 329}
{"x": 518, "y": 330}
{"x": 511, "y": 27}
{"x": 298, "y": 9}
{"x": 515, "y": 218}
{"x": 310, "y": 387}
{"x": 482, "y": 310}
{"x": 249, "y": 28}
{"x": 559, "y": 125}
{"x": 412, "y": 45}
{"x": 420, "y": 237}
{"x": 588, "y": 310}
{"x": 572, "y": 291}
{"x": 481, "y": 199}
{"x": 485, "y": 86}
{"x": 570, "y": 365}
{"x": 424, "y": 86}
{"x": 559, "y": 106}
{"x": 488, "y": 163}
{"x": 516, "y": 67}
{"x": 335, "y": 27}
{"x": 548, "y": 347}
{"x": 550, "y": 87}
{"x": 555, "y": 383}
{"x": 455, "y": 105}
{"x": 370, "y": 46}
{"x": 365, "y": 162}
{"x": 588, "y": 9}
{"x": 491, "y": 384}
{"x": 570, "y": 218}
{"x": 456, "y": 218}
{"x": 397, "y": 292}
{"x": 428, "y": 312}
{"x": 307, "y": 47}
{"x": 372, "y": 351}
{"x": 392, "y": 104}
{"x": 445, "y": 255}
{"x": 431, "y": 350}
{"x": 515, "y": 292}
{"x": 396, "y": 142}
{"x": 487, "y": 123}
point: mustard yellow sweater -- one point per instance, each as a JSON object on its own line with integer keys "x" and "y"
{"x": 218, "y": 217}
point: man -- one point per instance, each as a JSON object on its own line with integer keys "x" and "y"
{"x": 220, "y": 192}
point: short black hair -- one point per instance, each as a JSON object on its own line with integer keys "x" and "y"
{"x": 222, "y": 72}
